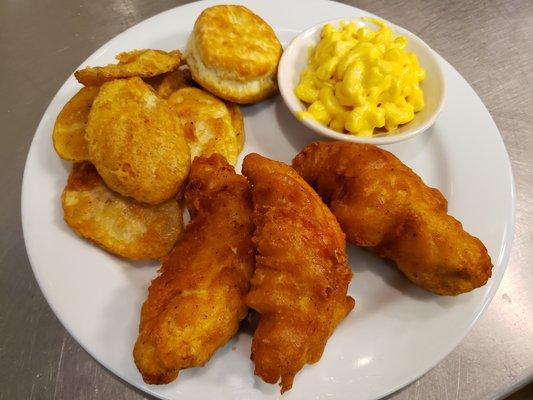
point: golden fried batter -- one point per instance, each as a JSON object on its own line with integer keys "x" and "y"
{"x": 118, "y": 224}
{"x": 207, "y": 123}
{"x": 237, "y": 120}
{"x": 136, "y": 142}
{"x": 179, "y": 79}
{"x": 382, "y": 204}
{"x": 301, "y": 276}
{"x": 195, "y": 305}
{"x": 69, "y": 129}
{"x": 142, "y": 63}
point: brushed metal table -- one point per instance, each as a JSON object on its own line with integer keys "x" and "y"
{"x": 42, "y": 41}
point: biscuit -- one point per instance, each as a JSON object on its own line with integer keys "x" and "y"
{"x": 210, "y": 126}
{"x": 120, "y": 225}
{"x": 234, "y": 54}
{"x": 136, "y": 142}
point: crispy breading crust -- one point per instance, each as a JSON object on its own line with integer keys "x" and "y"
{"x": 234, "y": 54}
{"x": 120, "y": 225}
{"x": 301, "y": 275}
{"x": 69, "y": 129}
{"x": 197, "y": 302}
{"x": 208, "y": 124}
{"x": 382, "y": 204}
{"x": 142, "y": 63}
{"x": 173, "y": 81}
{"x": 136, "y": 142}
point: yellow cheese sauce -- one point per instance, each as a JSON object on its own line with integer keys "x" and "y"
{"x": 359, "y": 80}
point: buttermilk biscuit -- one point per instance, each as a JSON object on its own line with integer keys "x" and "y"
{"x": 234, "y": 54}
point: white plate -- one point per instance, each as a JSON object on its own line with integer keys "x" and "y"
{"x": 396, "y": 333}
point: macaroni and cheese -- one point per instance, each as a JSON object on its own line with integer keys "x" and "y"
{"x": 358, "y": 79}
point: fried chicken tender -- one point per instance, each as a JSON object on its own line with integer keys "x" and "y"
{"x": 382, "y": 204}
{"x": 142, "y": 63}
{"x": 301, "y": 276}
{"x": 136, "y": 142}
{"x": 118, "y": 224}
{"x": 69, "y": 128}
{"x": 195, "y": 305}
{"x": 208, "y": 124}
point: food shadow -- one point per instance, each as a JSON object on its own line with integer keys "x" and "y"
{"x": 364, "y": 262}
{"x": 294, "y": 131}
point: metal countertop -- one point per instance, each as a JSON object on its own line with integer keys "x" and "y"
{"x": 42, "y": 41}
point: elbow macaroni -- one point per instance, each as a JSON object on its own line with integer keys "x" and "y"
{"x": 358, "y": 79}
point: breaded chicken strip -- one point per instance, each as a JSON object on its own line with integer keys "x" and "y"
{"x": 195, "y": 305}
{"x": 301, "y": 276}
{"x": 382, "y": 204}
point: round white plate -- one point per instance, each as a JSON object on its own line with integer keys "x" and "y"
{"x": 396, "y": 333}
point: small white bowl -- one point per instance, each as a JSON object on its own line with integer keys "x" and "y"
{"x": 294, "y": 61}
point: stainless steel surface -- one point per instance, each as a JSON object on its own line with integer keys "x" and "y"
{"x": 42, "y": 41}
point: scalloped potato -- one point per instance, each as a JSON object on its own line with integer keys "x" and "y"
{"x": 69, "y": 129}
{"x": 120, "y": 225}
{"x": 209, "y": 125}
{"x": 142, "y": 63}
{"x": 136, "y": 142}
{"x": 179, "y": 79}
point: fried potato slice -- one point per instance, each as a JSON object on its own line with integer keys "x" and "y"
{"x": 237, "y": 121}
{"x": 142, "y": 63}
{"x": 179, "y": 79}
{"x": 207, "y": 124}
{"x": 120, "y": 225}
{"x": 136, "y": 142}
{"x": 69, "y": 129}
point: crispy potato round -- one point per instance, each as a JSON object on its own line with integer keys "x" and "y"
{"x": 207, "y": 124}
{"x": 173, "y": 81}
{"x": 69, "y": 129}
{"x": 234, "y": 54}
{"x": 142, "y": 63}
{"x": 136, "y": 142}
{"x": 119, "y": 224}
{"x": 168, "y": 83}
{"x": 237, "y": 121}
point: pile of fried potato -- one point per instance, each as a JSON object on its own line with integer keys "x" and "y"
{"x": 132, "y": 132}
